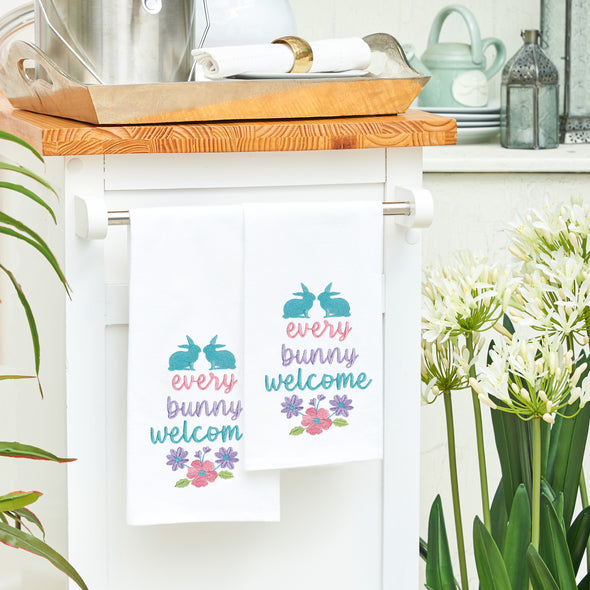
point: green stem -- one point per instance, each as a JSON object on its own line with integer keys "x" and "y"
{"x": 536, "y": 491}
{"x": 481, "y": 457}
{"x": 584, "y": 499}
{"x": 455, "y": 488}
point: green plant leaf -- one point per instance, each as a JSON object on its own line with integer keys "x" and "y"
{"x": 226, "y": 475}
{"x": 553, "y": 547}
{"x": 10, "y": 137}
{"x": 5, "y": 377}
{"x": 340, "y": 422}
{"x": 29, "y": 173}
{"x": 16, "y": 449}
{"x": 568, "y": 451}
{"x": 182, "y": 483}
{"x": 491, "y": 569}
{"x": 19, "y": 188}
{"x": 439, "y": 568}
{"x": 36, "y": 242}
{"x": 499, "y": 517}
{"x": 297, "y": 431}
{"x": 26, "y": 514}
{"x": 577, "y": 537}
{"x": 518, "y": 538}
{"x": 16, "y": 500}
{"x": 585, "y": 583}
{"x": 22, "y": 540}
{"x": 540, "y": 576}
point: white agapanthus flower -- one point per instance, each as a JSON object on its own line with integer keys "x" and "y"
{"x": 468, "y": 296}
{"x": 531, "y": 378}
{"x": 445, "y": 366}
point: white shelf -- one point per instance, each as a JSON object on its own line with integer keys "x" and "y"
{"x": 492, "y": 157}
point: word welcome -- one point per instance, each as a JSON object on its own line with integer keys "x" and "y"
{"x": 203, "y": 407}
{"x": 198, "y": 434}
{"x": 318, "y": 329}
{"x": 290, "y": 382}
{"x": 318, "y": 355}
{"x": 204, "y": 381}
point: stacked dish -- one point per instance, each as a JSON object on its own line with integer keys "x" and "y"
{"x": 474, "y": 124}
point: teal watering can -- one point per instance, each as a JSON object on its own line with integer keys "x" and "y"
{"x": 459, "y": 73}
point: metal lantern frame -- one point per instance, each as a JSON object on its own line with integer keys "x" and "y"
{"x": 519, "y": 74}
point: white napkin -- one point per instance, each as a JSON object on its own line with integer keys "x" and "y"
{"x": 185, "y": 438}
{"x": 329, "y": 55}
{"x": 314, "y": 356}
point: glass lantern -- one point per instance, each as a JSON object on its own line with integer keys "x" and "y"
{"x": 529, "y": 111}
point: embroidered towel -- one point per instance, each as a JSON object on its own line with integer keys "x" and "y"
{"x": 185, "y": 437}
{"x": 329, "y": 55}
{"x": 313, "y": 294}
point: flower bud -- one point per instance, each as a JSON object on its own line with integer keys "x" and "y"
{"x": 577, "y": 374}
{"x": 487, "y": 401}
{"x": 525, "y": 394}
{"x": 549, "y": 418}
{"x": 476, "y": 386}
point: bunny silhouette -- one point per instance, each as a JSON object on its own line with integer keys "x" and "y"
{"x": 333, "y": 307}
{"x": 299, "y": 308}
{"x": 184, "y": 359}
{"x": 219, "y": 359}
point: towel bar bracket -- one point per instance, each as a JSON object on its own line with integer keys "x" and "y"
{"x": 413, "y": 210}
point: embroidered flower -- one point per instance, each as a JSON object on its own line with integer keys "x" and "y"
{"x": 177, "y": 458}
{"x": 292, "y": 406}
{"x": 201, "y": 473}
{"x": 226, "y": 458}
{"x": 316, "y": 421}
{"x": 341, "y": 405}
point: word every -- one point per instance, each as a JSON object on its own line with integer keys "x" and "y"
{"x": 203, "y": 381}
{"x": 338, "y": 330}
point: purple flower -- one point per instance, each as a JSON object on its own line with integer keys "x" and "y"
{"x": 321, "y": 397}
{"x": 341, "y": 405}
{"x": 226, "y": 457}
{"x": 292, "y": 406}
{"x": 177, "y": 459}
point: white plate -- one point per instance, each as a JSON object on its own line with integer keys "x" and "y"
{"x": 492, "y": 108}
{"x": 470, "y": 124}
{"x": 279, "y": 76}
{"x": 478, "y": 135}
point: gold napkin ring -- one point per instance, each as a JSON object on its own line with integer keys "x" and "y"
{"x": 302, "y": 53}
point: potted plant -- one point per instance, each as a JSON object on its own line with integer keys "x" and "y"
{"x": 19, "y": 526}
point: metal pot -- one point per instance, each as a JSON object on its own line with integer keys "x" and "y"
{"x": 117, "y": 41}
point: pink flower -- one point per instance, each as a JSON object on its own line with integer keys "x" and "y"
{"x": 201, "y": 473}
{"x": 316, "y": 421}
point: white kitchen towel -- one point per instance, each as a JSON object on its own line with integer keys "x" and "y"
{"x": 185, "y": 427}
{"x": 329, "y": 55}
{"x": 314, "y": 352}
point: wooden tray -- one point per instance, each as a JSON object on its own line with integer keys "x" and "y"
{"x": 389, "y": 92}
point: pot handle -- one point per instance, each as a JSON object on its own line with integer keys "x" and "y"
{"x": 500, "y": 55}
{"x": 474, "y": 34}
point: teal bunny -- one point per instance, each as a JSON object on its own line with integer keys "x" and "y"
{"x": 333, "y": 307}
{"x": 184, "y": 359}
{"x": 219, "y": 359}
{"x": 299, "y": 308}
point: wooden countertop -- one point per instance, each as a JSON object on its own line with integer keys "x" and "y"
{"x": 53, "y": 136}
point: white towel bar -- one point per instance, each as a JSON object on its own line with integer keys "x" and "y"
{"x": 92, "y": 219}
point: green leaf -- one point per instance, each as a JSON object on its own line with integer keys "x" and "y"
{"x": 499, "y": 517}
{"x": 182, "y": 483}
{"x": 585, "y": 583}
{"x": 26, "y": 172}
{"x": 16, "y": 500}
{"x": 507, "y": 323}
{"x": 518, "y": 538}
{"x": 540, "y": 576}
{"x": 30, "y": 320}
{"x": 297, "y": 431}
{"x": 226, "y": 475}
{"x": 553, "y": 547}
{"x": 568, "y": 451}
{"x": 15, "y": 449}
{"x": 340, "y": 422}
{"x": 439, "y": 568}
{"x": 19, "y": 188}
{"x": 22, "y": 540}
{"x": 10, "y": 137}
{"x": 26, "y": 514}
{"x": 491, "y": 569}
{"x": 577, "y": 537}
{"x": 5, "y": 377}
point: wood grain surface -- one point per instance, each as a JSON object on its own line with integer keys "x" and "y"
{"x": 54, "y": 136}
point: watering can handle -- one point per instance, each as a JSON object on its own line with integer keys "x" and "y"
{"x": 500, "y": 55}
{"x": 476, "y": 43}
